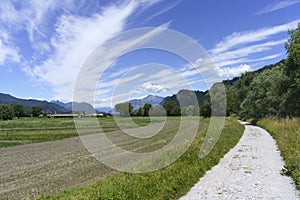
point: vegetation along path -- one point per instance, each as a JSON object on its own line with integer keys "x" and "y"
{"x": 251, "y": 170}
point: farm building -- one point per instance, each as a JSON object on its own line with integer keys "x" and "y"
{"x": 63, "y": 115}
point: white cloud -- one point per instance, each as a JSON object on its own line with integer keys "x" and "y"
{"x": 241, "y": 54}
{"x": 8, "y": 53}
{"x": 241, "y": 48}
{"x": 152, "y": 88}
{"x": 167, "y": 8}
{"x": 277, "y": 6}
{"x": 241, "y": 38}
{"x": 75, "y": 38}
{"x": 234, "y": 71}
{"x": 109, "y": 52}
{"x": 29, "y": 15}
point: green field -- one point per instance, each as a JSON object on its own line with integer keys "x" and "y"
{"x": 287, "y": 134}
{"x": 32, "y": 130}
{"x": 172, "y": 181}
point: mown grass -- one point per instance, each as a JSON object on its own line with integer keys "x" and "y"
{"x": 171, "y": 182}
{"x": 32, "y": 130}
{"x": 287, "y": 135}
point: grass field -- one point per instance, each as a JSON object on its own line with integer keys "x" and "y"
{"x": 287, "y": 135}
{"x": 171, "y": 182}
{"x": 32, "y": 130}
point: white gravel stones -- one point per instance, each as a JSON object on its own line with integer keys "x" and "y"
{"x": 251, "y": 170}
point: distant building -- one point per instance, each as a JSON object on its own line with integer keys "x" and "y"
{"x": 97, "y": 115}
{"x": 63, "y": 115}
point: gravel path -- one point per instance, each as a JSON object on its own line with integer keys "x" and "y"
{"x": 251, "y": 170}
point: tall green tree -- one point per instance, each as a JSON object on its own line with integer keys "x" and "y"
{"x": 205, "y": 108}
{"x": 19, "y": 110}
{"x": 6, "y": 112}
{"x": 146, "y": 109}
{"x": 218, "y": 99}
{"x": 125, "y": 109}
{"x": 232, "y": 102}
{"x": 36, "y": 111}
{"x": 190, "y": 110}
{"x": 292, "y": 70}
{"x": 137, "y": 112}
{"x": 266, "y": 94}
{"x": 158, "y": 111}
{"x": 171, "y": 108}
{"x": 242, "y": 87}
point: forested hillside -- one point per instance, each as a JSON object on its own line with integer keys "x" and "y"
{"x": 273, "y": 91}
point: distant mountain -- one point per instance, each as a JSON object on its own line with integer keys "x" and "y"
{"x": 186, "y": 97}
{"x": 154, "y": 100}
{"x": 105, "y": 110}
{"x": 76, "y": 107}
{"x": 28, "y": 103}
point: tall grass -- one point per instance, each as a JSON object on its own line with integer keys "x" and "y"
{"x": 171, "y": 182}
{"x": 287, "y": 135}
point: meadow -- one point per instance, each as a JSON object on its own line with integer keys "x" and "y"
{"x": 170, "y": 182}
{"x": 31, "y": 130}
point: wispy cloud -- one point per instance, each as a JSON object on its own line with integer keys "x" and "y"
{"x": 152, "y": 88}
{"x": 242, "y": 53}
{"x": 8, "y": 54}
{"x": 74, "y": 39}
{"x": 73, "y": 44}
{"x": 31, "y": 16}
{"x": 277, "y": 6}
{"x": 240, "y": 38}
{"x": 232, "y": 53}
{"x": 165, "y": 9}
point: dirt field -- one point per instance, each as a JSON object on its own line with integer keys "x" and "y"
{"x": 32, "y": 170}
{"x": 29, "y": 171}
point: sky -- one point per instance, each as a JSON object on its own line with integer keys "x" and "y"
{"x": 58, "y": 49}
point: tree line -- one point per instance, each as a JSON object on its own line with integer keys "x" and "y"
{"x": 10, "y": 111}
{"x": 274, "y": 91}
{"x": 168, "y": 108}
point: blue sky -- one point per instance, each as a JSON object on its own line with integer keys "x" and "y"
{"x": 43, "y": 44}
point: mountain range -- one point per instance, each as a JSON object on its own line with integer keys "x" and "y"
{"x": 151, "y": 99}
{"x": 28, "y": 103}
{"x": 185, "y": 97}
{"x": 76, "y": 107}
{"x": 48, "y": 107}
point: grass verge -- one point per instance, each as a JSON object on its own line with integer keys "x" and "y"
{"x": 287, "y": 136}
{"x": 171, "y": 182}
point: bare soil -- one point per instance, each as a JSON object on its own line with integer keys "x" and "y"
{"x": 41, "y": 169}
{"x": 32, "y": 170}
